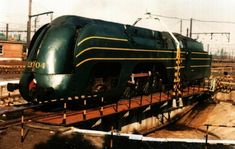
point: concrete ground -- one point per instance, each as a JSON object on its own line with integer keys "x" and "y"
{"x": 222, "y": 112}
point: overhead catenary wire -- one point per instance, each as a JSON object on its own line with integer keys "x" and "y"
{"x": 211, "y": 21}
{"x": 198, "y": 20}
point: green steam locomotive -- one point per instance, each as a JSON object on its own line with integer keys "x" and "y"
{"x": 76, "y": 56}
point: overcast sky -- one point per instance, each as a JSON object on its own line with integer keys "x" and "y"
{"x": 15, "y": 13}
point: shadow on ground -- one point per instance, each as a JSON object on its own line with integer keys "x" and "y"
{"x": 72, "y": 141}
{"x": 78, "y": 141}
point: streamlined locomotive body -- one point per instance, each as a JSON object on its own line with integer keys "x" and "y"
{"x": 75, "y": 56}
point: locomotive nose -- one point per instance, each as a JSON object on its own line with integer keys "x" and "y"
{"x": 38, "y": 92}
{"x": 30, "y": 90}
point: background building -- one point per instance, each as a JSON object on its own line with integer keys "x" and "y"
{"x": 12, "y": 50}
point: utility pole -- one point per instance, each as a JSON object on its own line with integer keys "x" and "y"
{"x": 30, "y": 16}
{"x": 35, "y": 24}
{"x": 187, "y": 32}
{"x": 7, "y": 30}
{"x": 191, "y": 28}
{"x": 208, "y": 48}
{"x": 51, "y": 16}
{"x": 39, "y": 14}
{"x": 181, "y": 21}
{"x": 29, "y": 24}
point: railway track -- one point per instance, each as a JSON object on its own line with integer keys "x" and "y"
{"x": 69, "y": 117}
{"x": 11, "y": 69}
{"x": 13, "y": 116}
{"x": 219, "y": 66}
{"x": 11, "y": 99}
{"x": 86, "y": 112}
{"x": 36, "y": 117}
{"x": 4, "y": 124}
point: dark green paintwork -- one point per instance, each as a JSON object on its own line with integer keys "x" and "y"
{"x": 53, "y": 62}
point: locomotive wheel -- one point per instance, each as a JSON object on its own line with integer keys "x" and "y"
{"x": 128, "y": 92}
{"x": 147, "y": 88}
{"x": 99, "y": 88}
{"x": 156, "y": 83}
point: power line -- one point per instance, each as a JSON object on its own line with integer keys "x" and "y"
{"x": 198, "y": 20}
{"x": 227, "y": 34}
{"x": 223, "y": 22}
{"x": 168, "y": 17}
